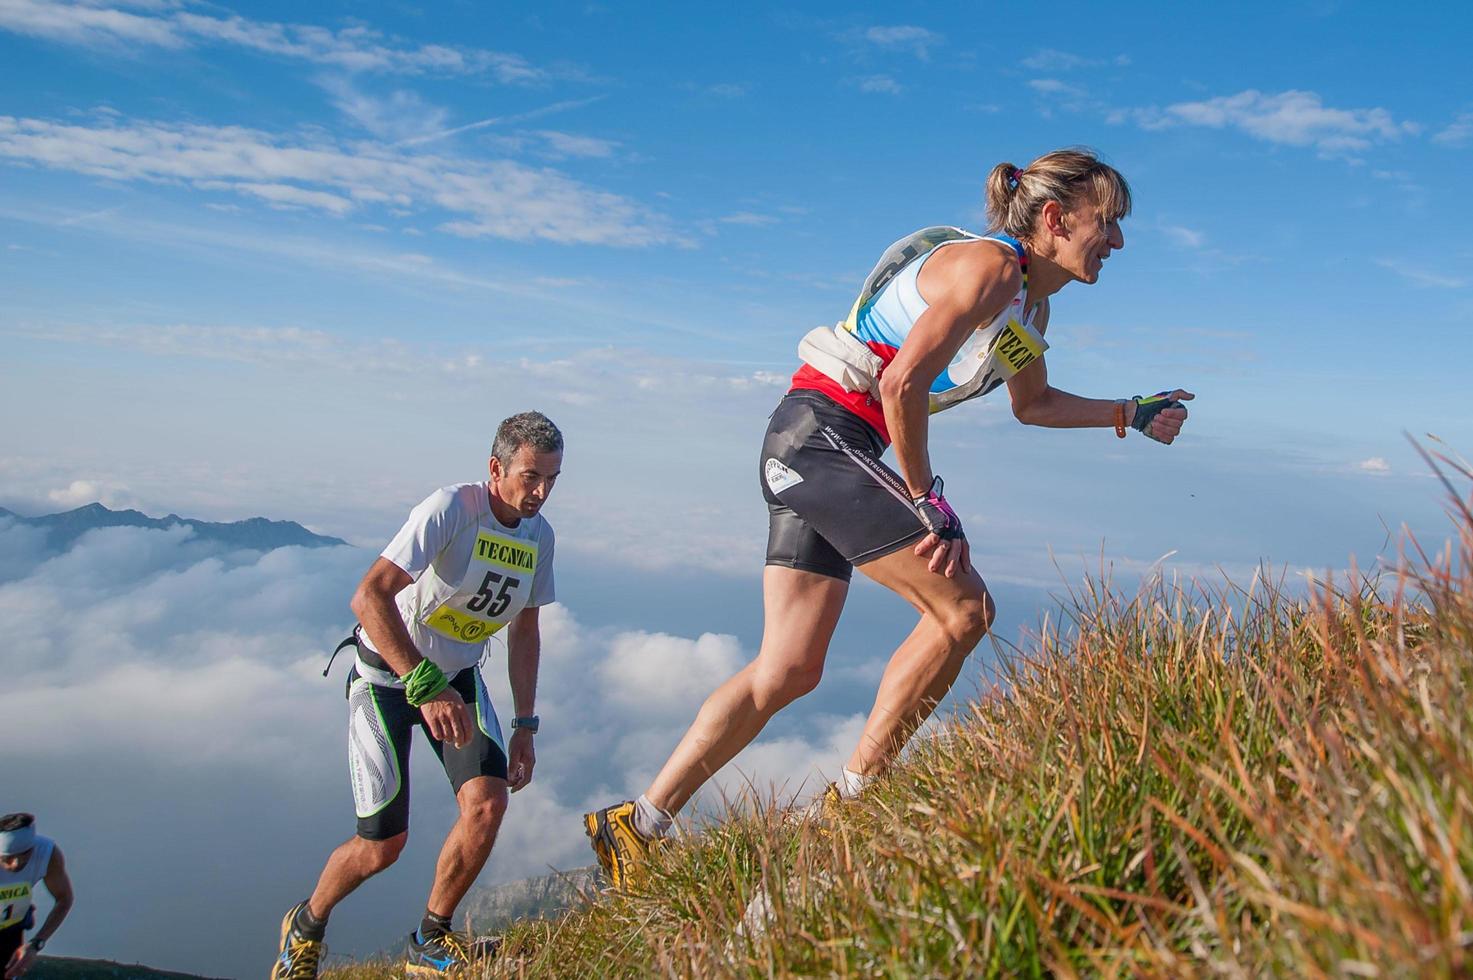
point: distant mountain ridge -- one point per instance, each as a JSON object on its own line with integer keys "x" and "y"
{"x": 69, "y": 968}
{"x": 255, "y": 533}
{"x": 492, "y": 908}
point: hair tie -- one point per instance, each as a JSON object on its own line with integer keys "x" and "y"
{"x": 1014, "y": 176}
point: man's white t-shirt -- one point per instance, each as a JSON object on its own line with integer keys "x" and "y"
{"x": 472, "y": 575}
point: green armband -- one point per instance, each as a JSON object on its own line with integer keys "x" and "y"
{"x": 424, "y": 682}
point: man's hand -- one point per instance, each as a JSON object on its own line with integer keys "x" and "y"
{"x": 446, "y": 717}
{"x": 20, "y": 961}
{"x": 521, "y": 759}
{"x": 1163, "y": 424}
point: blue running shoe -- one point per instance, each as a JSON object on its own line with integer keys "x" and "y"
{"x": 447, "y": 954}
{"x": 298, "y": 957}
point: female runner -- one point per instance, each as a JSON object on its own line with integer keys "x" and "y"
{"x": 946, "y": 316}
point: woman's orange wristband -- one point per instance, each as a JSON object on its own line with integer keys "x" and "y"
{"x": 1120, "y": 418}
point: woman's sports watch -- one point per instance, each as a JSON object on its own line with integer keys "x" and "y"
{"x": 529, "y": 722}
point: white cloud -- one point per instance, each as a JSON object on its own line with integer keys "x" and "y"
{"x": 666, "y": 675}
{"x": 400, "y": 115}
{"x": 1375, "y": 465}
{"x": 1048, "y": 59}
{"x": 748, "y": 218}
{"x": 1457, "y": 132}
{"x": 1185, "y": 237}
{"x": 1419, "y": 276}
{"x": 80, "y": 492}
{"x": 1293, "y": 118}
{"x": 573, "y": 145}
{"x": 356, "y": 48}
{"x": 593, "y": 372}
{"x": 917, "y": 40}
{"x": 1052, "y": 86}
{"x": 878, "y": 83}
{"x": 496, "y": 198}
{"x": 283, "y": 195}
{"x": 86, "y": 24}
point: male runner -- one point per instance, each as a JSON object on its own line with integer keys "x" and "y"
{"x": 471, "y": 559}
{"x": 27, "y": 858}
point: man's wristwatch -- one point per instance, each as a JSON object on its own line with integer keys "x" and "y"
{"x": 37, "y": 944}
{"x": 529, "y": 722}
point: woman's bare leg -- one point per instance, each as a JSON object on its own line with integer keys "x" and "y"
{"x": 955, "y": 614}
{"x": 800, "y": 612}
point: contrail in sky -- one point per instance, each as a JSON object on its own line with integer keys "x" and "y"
{"x": 497, "y": 120}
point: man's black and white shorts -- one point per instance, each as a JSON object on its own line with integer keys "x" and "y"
{"x": 831, "y": 503}
{"x": 380, "y": 724}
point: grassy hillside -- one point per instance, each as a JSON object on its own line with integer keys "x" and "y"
{"x": 1192, "y": 781}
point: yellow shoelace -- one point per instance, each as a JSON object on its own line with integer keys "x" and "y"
{"x": 304, "y": 955}
{"x": 458, "y": 943}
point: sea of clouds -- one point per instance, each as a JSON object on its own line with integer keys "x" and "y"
{"x": 165, "y": 715}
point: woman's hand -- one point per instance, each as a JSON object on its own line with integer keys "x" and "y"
{"x": 1163, "y": 424}
{"x": 948, "y": 556}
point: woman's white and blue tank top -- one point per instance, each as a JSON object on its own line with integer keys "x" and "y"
{"x": 891, "y": 303}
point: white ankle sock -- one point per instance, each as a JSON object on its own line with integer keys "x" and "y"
{"x": 650, "y": 820}
{"x": 851, "y": 784}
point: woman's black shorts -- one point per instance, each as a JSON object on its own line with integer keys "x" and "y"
{"x": 831, "y": 503}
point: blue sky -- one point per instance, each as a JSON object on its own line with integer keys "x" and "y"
{"x": 256, "y": 261}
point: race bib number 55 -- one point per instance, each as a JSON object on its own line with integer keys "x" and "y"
{"x": 497, "y": 584}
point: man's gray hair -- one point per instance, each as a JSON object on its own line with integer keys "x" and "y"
{"x": 527, "y": 429}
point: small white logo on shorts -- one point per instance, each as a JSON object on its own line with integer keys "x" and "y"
{"x": 780, "y": 477}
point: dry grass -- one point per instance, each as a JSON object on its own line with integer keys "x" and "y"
{"x": 1191, "y": 782}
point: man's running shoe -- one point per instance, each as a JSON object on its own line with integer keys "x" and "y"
{"x": 619, "y": 847}
{"x": 299, "y": 956}
{"x": 447, "y": 954}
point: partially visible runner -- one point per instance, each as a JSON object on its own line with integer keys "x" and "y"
{"x": 28, "y": 859}
{"x": 472, "y": 559}
{"x": 947, "y": 315}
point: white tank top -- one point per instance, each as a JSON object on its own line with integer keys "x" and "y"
{"x": 884, "y": 319}
{"x": 16, "y": 887}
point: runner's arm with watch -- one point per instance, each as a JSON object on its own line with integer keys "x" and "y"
{"x": 523, "y": 655}
{"x": 373, "y": 603}
{"x": 1036, "y": 402}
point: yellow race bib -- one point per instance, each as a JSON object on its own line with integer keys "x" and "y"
{"x": 497, "y": 584}
{"x": 15, "y": 901}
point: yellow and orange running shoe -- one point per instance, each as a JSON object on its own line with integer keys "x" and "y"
{"x": 619, "y": 847}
